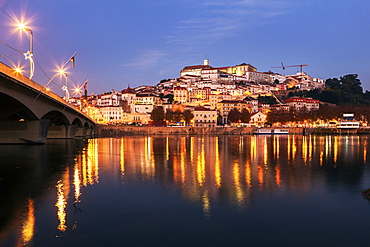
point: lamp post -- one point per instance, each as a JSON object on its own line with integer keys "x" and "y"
{"x": 65, "y": 88}
{"x": 29, "y": 55}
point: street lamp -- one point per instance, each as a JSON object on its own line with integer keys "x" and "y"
{"x": 29, "y": 54}
{"x": 65, "y": 87}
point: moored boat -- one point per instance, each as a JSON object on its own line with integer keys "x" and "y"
{"x": 262, "y": 131}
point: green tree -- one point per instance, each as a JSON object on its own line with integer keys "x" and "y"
{"x": 245, "y": 116}
{"x": 346, "y": 90}
{"x": 234, "y": 115}
{"x": 188, "y": 116}
{"x": 177, "y": 116}
{"x": 157, "y": 113}
{"x": 267, "y": 100}
{"x": 170, "y": 98}
{"x": 169, "y": 115}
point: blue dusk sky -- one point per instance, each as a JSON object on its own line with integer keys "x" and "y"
{"x": 140, "y": 42}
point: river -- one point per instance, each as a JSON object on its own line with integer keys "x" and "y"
{"x": 288, "y": 190}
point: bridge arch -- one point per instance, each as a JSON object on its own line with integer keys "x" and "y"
{"x": 30, "y": 114}
{"x": 13, "y": 110}
{"x": 77, "y": 122}
{"x": 57, "y": 118}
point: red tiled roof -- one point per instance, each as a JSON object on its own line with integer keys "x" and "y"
{"x": 197, "y": 67}
{"x": 201, "y": 108}
{"x": 128, "y": 90}
{"x": 302, "y": 100}
{"x": 233, "y": 101}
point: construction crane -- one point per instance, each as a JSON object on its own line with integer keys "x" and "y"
{"x": 283, "y": 67}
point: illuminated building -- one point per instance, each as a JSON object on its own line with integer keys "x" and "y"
{"x": 225, "y": 106}
{"x": 300, "y": 104}
{"x": 180, "y": 94}
{"x": 204, "y": 117}
{"x": 258, "y": 118}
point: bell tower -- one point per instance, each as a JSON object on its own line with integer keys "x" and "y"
{"x": 206, "y": 61}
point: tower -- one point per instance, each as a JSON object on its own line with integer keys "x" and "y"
{"x": 206, "y": 61}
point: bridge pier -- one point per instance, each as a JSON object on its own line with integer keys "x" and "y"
{"x": 22, "y": 132}
{"x": 90, "y": 132}
{"x": 81, "y": 132}
{"x": 62, "y": 132}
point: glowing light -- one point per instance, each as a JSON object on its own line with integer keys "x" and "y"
{"x": 18, "y": 70}
{"x": 217, "y": 166}
{"x": 61, "y": 71}
{"x": 23, "y": 27}
{"x": 28, "y": 56}
{"x": 182, "y": 164}
{"x": 248, "y": 174}
{"x": 122, "y": 157}
{"x": 200, "y": 167}
{"x": 61, "y": 205}
{"x": 260, "y": 175}
{"x": 77, "y": 91}
{"x": 77, "y": 183}
{"x": 277, "y": 176}
{"x": 28, "y": 227}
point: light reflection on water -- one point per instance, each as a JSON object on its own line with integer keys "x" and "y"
{"x": 217, "y": 174}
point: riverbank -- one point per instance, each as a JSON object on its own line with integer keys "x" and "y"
{"x": 113, "y": 131}
{"x": 110, "y": 131}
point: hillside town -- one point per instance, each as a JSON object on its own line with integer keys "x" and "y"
{"x": 209, "y": 93}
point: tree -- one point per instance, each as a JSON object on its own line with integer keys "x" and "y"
{"x": 346, "y": 90}
{"x": 267, "y": 100}
{"x": 188, "y": 116}
{"x": 170, "y": 98}
{"x": 177, "y": 116}
{"x": 157, "y": 114}
{"x": 234, "y": 115}
{"x": 164, "y": 80}
{"x": 245, "y": 116}
{"x": 169, "y": 115}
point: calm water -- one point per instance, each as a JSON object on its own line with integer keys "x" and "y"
{"x": 187, "y": 191}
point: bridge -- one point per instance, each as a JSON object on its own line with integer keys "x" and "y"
{"x": 31, "y": 114}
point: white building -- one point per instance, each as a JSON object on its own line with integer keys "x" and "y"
{"x": 111, "y": 114}
{"x": 204, "y": 117}
{"x": 301, "y": 104}
{"x": 180, "y": 94}
{"x": 109, "y": 99}
{"x": 258, "y": 118}
{"x": 143, "y": 108}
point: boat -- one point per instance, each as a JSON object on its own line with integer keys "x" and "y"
{"x": 271, "y": 131}
{"x": 348, "y": 122}
{"x": 281, "y": 131}
{"x": 348, "y": 125}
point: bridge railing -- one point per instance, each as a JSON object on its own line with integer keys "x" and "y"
{"x": 32, "y": 85}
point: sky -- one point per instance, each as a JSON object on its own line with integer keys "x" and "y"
{"x": 121, "y": 43}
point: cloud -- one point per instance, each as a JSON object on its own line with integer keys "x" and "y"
{"x": 219, "y": 19}
{"x": 146, "y": 59}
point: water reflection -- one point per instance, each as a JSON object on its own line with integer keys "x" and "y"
{"x": 206, "y": 170}
{"x": 26, "y": 174}
{"x": 28, "y": 226}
